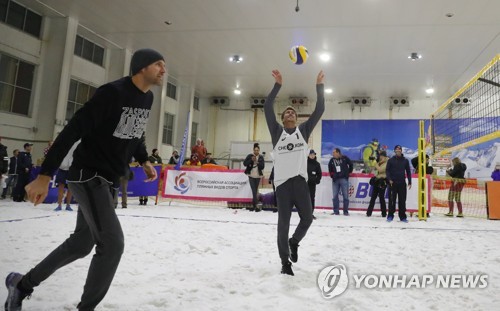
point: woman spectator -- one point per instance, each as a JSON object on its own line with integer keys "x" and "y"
{"x": 379, "y": 185}
{"x": 254, "y": 163}
{"x": 457, "y": 173}
{"x": 174, "y": 159}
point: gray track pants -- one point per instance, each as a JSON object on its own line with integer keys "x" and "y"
{"x": 96, "y": 224}
{"x": 293, "y": 192}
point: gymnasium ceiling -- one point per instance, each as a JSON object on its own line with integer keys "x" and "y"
{"x": 369, "y": 42}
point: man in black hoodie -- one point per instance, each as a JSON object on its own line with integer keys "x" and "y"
{"x": 111, "y": 126}
{"x": 397, "y": 166}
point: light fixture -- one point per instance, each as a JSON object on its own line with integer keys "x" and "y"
{"x": 328, "y": 91}
{"x": 237, "y": 91}
{"x": 236, "y": 59}
{"x": 324, "y": 57}
{"x": 414, "y": 56}
{"x": 429, "y": 91}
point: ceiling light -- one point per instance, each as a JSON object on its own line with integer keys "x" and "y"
{"x": 237, "y": 91}
{"x": 429, "y": 91}
{"x": 414, "y": 56}
{"x": 328, "y": 91}
{"x": 325, "y": 57}
{"x": 236, "y": 59}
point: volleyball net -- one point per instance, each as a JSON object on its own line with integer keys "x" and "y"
{"x": 467, "y": 126}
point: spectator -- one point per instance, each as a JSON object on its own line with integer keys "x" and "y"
{"x": 254, "y": 163}
{"x": 129, "y": 175}
{"x": 290, "y": 168}
{"x": 12, "y": 179}
{"x": 199, "y": 149}
{"x": 379, "y": 185}
{"x": 457, "y": 174}
{"x": 4, "y": 159}
{"x": 24, "y": 166}
{"x": 174, "y": 159}
{"x": 496, "y": 173}
{"x": 428, "y": 169}
{"x": 313, "y": 176}
{"x": 397, "y": 166}
{"x": 193, "y": 160}
{"x": 208, "y": 159}
{"x": 339, "y": 167}
{"x": 155, "y": 158}
{"x": 370, "y": 155}
{"x": 61, "y": 180}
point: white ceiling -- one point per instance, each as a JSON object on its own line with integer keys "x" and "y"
{"x": 369, "y": 41}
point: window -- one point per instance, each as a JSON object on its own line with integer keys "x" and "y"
{"x": 194, "y": 133}
{"x": 89, "y": 50}
{"x": 79, "y": 94}
{"x": 20, "y": 17}
{"x": 171, "y": 90}
{"x": 16, "y": 82}
{"x": 196, "y": 103}
{"x": 168, "y": 129}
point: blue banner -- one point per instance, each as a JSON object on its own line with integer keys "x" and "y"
{"x": 184, "y": 143}
{"x": 136, "y": 187}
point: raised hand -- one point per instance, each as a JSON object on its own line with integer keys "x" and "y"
{"x": 320, "y": 78}
{"x": 277, "y": 76}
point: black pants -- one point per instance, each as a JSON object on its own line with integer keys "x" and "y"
{"x": 19, "y": 193}
{"x": 312, "y": 193}
{"x": 293, "y": 192}
{"x": 96, "y": 224}
{"x": 379, "y": 193}
{"x": 254, "y": 185}
{"x": 397, "y": 191}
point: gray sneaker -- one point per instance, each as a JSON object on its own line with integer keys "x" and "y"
{"x": 15, "y": 296}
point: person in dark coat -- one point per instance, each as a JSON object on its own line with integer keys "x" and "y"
{"x": 313, "y": 176}
{"x": 254, "y": 163}
{"x": 24, "y": 166}
{"x": 457, "y": 173}
{"x": 339, "y": 167}
{"x": 398, "y": 167}
{"x": 428, "y": 169}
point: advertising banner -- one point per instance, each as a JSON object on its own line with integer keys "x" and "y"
{"x": 212, "y": 185}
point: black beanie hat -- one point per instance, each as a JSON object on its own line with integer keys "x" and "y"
{"x": 143, "y": 58}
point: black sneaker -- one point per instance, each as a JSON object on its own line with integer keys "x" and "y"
{"x": 15, "y": 296}
{"x": 286, "y": 268}
{"x": 294, "y": 245}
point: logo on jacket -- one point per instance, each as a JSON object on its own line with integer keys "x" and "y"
{"x": 182, "y": 183}
{"x": 132, "y": 123}
{"x": 290, "y": 146}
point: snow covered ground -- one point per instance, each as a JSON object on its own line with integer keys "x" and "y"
{"x": 213, "y": 258}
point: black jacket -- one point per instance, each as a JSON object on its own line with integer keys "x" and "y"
{"x": 24, "y": 162}
{"x": 174, "y": 160}
{"x": 396, "y": 169}
{"x": 345, "y": 167}
{"x": 458, "y": 171}
{"x": 4, "y": 159}
{"x": 313, "y": 171}
{"x": 249, "y": 164}
{"x": 111, "y": 126}
{"x": 428, "y": 169}
{"x": 13, "y": 166}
